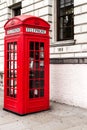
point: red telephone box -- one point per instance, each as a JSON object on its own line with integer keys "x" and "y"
{"x": 26, "y": 65}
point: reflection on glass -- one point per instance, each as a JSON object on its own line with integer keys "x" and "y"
{"x": 41, "y": 54}
{"x": 36, "y": 92}
{"x": 41, "y": 64}
{"x": 15, "y": 82}
{"x": 41, "y": 45}
{"x": 11, "y": 47}
{"x": 11, "y": 73}
{"x": 11, "y": 82}
{"x": 12, "y": 56}
{"x": 37, "y": 55}
{"x": 15, "y": 91}
{"x": 31, "y": 64}
{"x": 31, "y": 74}
{"x": 15, "y": 63}
{"x": 11, "y": 64}
{"x": 15, "y": 56}
{"x": 11, "y": 92}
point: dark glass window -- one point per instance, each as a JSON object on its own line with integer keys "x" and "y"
{"x": 17, "y": 11}
{"x": 65, "y": 27}
{"x": 12, "y": 69}
{"x": 36, "y": 69}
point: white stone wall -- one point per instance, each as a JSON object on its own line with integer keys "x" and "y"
{"x": 69, "y": 84}
{"x": 80, "y": 21}
{"x": 4, "y": 15}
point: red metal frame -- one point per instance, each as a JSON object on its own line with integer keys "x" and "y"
{"x": 26, "y": 65}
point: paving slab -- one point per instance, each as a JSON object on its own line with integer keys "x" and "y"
{"x": 59, "y": 117}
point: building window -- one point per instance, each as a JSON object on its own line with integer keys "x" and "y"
{"x": 65, "y": 24}
{"x": 17, "y": 11}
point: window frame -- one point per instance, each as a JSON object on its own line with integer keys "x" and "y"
{"x": 62, "y": 16}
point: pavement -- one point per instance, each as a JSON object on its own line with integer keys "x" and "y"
{"x": 59, "y": 117}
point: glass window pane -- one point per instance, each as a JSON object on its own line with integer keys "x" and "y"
{"x": 37, "y": 83}
{"x": 41, "y": 55}
{"x": 15, "y": 82}
{"x": 15, "y": 73}
{"x": 15, "y": 56}
{"x": 36, "y": 93}
{"x": 41, "y": 92}
{"x": 31, "y": 66}
{"x": 12, "y": 82}
{"x": 31, "y": 45}
{"x": 12, "y": 46}
{"x": 65, "y": 20}
{"x": 15, "y": 46}
{"x": 36, "y": 55}
{"x": 41, "y": 46}
{"x": 41, "y": 64}
{"x": 36, "y": 65}
{"x": 15, "y": 64}
{"x": 11, "y": 74}
{"x": 31, "y": 74}
{"x": 12, "y": 56}
{"x": 36, "y": 45}
{"x": 31, "y": 93}
{"x": 41, "y": 74}
{"x": 11, "y": 64}
{"x": 36, "y": 74}
{"x": 32, "y": 54}
{"x": 32, "y": 84}
{"x": 41, "y": 83}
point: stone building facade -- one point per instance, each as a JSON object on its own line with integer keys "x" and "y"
{"x": 68, "y": 44}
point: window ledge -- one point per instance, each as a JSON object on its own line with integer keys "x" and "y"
{"x": 63, "y": 43}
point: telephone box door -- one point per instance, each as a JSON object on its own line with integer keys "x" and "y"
{"x": 38, "y": 73}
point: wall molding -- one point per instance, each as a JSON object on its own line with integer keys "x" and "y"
{"x": 68, "y": 61}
